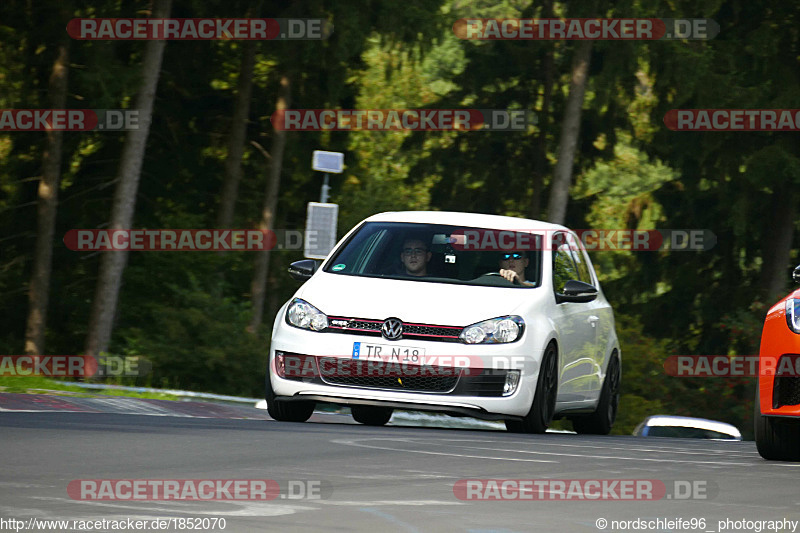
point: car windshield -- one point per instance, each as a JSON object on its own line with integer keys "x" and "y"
{"x": 687, "y": 433}
{"x": 440, "y": 254}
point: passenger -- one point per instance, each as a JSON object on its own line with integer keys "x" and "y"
{"x": 415, "y": 257}
{"x": 512, "y": 267}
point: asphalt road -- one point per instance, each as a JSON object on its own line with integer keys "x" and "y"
{"x": 376, "y": 479}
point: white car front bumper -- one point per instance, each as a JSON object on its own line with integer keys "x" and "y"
{"x": 465, "y": 396}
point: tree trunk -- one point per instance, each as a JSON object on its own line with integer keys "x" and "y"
{"x": 38, "y": 295}
{"x": 540, "y": 163}
{"x": 112, "y": 264}
{"x": 570, "y": 130}
{"x": 233, "y": 163}
{"x": 259, "y": 285}
{"x": 777, "y": 250}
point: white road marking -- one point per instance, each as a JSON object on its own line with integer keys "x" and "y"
{"x": 246, "y": 508}
{"x": 173, "y": 414}
{"x": 454, "y": 443}
{"x": 588, "y": 456}
{"x": 363, "y": 503}
{"x": 352, "y": 442}
{"x": 657, "y": 449}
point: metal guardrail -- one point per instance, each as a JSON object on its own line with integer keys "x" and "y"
{"x": 173, "y": 392}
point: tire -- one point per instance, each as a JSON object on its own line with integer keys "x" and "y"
{"x": 602, "y": 420}
{"x": 370, "y": 415}
{"x": 777, "y": 439}
{"x": 544, "y": 400}
{"x": 282, "y": 411}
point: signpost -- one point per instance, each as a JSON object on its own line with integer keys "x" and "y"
{"x": 327, "y": 162}
{"x": 322, "y": 217}
{"x": 321, "y": 222}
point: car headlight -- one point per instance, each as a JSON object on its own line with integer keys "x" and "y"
{"x": 302, "y": 314}
{"x": 494, "y": 331}
{"x": 793, "y": 314}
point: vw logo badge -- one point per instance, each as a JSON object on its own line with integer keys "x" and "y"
{"x": 392, "y": 328}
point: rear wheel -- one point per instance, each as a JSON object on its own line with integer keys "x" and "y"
{"x": 544, "y": 400}
{"x": 777, "y": 439}
{"x": 370, "y": 415}
{"x": 283, "y": 411}
{"x": 602, "y": 420}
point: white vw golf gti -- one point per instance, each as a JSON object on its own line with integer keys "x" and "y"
{"x": 493, "y": 317}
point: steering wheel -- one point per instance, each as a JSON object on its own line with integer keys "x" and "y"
{"x": 516, "y": 281}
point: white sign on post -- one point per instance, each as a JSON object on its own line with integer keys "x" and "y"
{"x": 328, "y": 161}
{"x": 321, "y": 222}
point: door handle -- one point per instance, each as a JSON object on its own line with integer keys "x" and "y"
{"x": 593, "y": 320}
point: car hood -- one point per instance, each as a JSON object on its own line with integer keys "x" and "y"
{"x": 414, "y": 301}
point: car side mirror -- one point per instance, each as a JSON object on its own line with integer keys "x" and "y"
{"x": 302, "y": 270}
{"x": 796, "y": 274}
{"x": 577, "y": 292}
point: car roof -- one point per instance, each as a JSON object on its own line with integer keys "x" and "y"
{"x": 475, "y": 220}
{"x": 690, "y": 422}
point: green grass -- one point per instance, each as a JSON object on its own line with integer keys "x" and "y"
{"x": 41, "y": 385}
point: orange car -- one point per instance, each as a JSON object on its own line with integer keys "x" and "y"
{"x": 777, "y": 409}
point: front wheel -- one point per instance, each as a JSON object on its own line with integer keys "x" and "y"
{"x": 283, "y": 411}
{"x": 602, "y": 420}
{"x": 776, "y": 439}
{"x": 544, "y": 400}
{"x": 370, "y": 415}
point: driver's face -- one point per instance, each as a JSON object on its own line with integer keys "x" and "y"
{"x": 415, "y": 257}
{"x": 516, "y": 262}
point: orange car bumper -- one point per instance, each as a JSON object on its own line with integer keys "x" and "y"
{"x": 779, "y": 392}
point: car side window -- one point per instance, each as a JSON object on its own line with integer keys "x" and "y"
{"x": 564, "y": 268}
{"x": 579, "y": 256}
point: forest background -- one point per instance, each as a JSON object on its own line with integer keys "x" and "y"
{"x": 210, "y": 158}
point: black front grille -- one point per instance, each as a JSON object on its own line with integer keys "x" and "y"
{"x": 361, "y": 326}
{"x": 297, "y": 367}
{"x": 379, "y": 375}
{"x": 786, "y": 392}
{"x": 487, "y": 383}
{"x": 354, "y": 326}
{"x": 786, "y": 387}
{"x": 365, "y": 325}
{"x": 420, "y": 330}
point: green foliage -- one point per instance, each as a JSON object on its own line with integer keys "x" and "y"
{"x": 620, "y": 196}
{"x": 644, "y": 387}
{"x": 378, "y": 179}
{"x": 647, "y": 390}
{"x": 187, "y": 312}
{"x": 194, "y": 337}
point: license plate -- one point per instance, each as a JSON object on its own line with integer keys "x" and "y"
{"x": 388, "y": 353}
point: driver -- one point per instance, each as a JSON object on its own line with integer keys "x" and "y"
{"x": 415, "y": 257}
{"x": 512, "y": 267}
